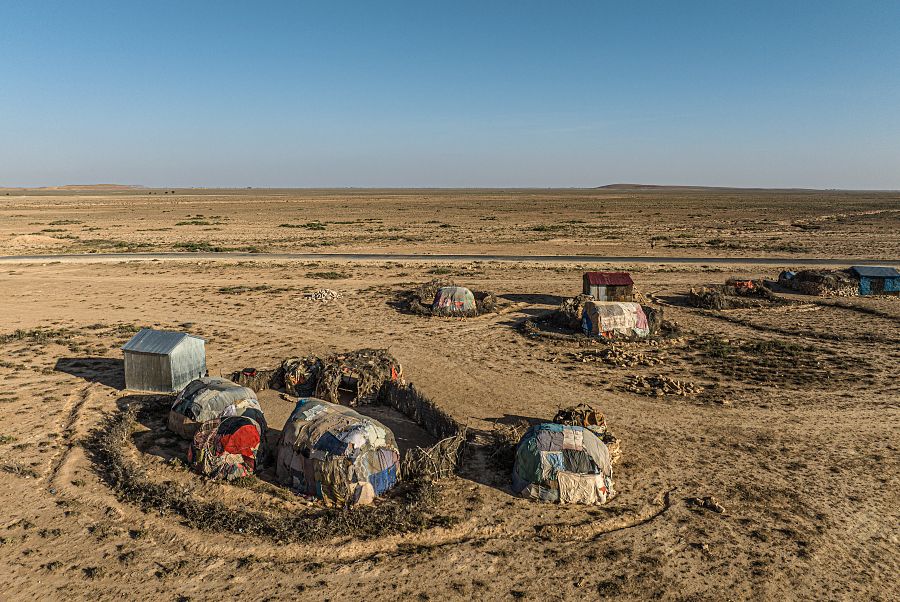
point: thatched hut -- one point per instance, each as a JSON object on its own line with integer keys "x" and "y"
{"x": 209, "y": 398}
{"x": 336, "y": 454}
{"x": 356, "y": 378}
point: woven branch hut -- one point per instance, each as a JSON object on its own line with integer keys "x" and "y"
{"x": 356, "y": 378}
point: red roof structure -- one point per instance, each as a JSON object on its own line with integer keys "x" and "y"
{"x": 608, "y": 278}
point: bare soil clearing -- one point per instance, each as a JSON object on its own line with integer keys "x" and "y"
{"x": 794, "y": 434}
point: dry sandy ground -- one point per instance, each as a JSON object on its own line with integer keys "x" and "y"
{"x": 611, "y": 222}
{"x": 795, "y": 435}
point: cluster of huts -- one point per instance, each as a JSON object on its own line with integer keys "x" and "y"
{"x": 329, "y": 450}
{"x": 325, "y": 449}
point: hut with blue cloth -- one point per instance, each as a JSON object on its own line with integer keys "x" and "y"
{"x": 337, "y": 454}
{"x": 563, "y": 463}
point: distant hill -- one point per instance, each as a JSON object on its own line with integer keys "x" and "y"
{"x": 633, "y": 186}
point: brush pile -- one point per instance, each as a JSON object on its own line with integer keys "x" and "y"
{"x": 734, "y": 294}
{"x": 823, "y": 283}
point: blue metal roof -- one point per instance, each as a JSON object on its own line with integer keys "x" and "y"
{"x": 156, "y": 341}
{"x": 875, "y": 272}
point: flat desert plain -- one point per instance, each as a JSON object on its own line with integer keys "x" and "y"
{"x": 791, "y": 428}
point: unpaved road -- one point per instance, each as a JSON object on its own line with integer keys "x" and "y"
{"x": 107, "y": 257}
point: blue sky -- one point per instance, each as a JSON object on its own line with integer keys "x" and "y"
{"x": 776, "y": 94}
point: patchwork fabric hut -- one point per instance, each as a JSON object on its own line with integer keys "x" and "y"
{"x": 162, "y": 360}
{"x": 336, "y": 454}
{"x": 209, "y": 398}
{"x": 227, "y": 448}
{"x": 614, "y": 319}
{"x": 877, "y": 280}
{"x": 608, "y": 286}
{"x": 562, "y": 463}
{"x": 454, "y": 300}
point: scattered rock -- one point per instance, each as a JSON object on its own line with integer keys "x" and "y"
{"x": 706, "y": 503}
{"x": 616, "y": 356}
{"x": 323, "y": 295}
{"x": 657, "y": 386}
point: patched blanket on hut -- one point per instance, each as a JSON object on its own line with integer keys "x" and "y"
{"x": 336, "y": 454}
{"x": 226, "y": 448}
{"x": 608, "y": 319}
{"x": 560, "y": 463}
{"x": 209, "y": 398}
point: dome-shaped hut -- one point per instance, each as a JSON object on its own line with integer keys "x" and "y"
{"x": 209, "y": 398}
{"x": 454, "y": 301}
{"x": 562, "y": 463}
{"x": 227, "y": 448}
{"x": 336, "y": 454}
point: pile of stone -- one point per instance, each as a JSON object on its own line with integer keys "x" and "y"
{"x": 657, "y": 386}
{"x": 323, "y": 295}
{"x": 616, "y": 356}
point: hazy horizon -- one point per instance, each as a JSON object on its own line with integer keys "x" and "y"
{"x": 509, "y": 95}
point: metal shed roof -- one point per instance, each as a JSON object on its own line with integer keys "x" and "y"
{"x": 608, "y": 278}
{"x": 156, "y": 341}
{"x": 875, "y": 272}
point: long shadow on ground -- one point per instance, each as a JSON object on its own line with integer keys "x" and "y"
{"x": 104, "y": 370}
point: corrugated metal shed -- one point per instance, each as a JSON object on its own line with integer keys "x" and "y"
{"x": 155, "y": 341}
{"x": 875, "y": 272}
{"x": 163, "y": 361}
{"x": 608, "y": 286}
